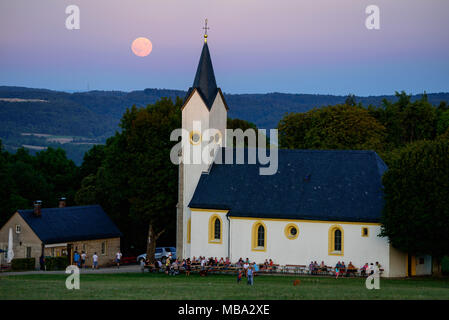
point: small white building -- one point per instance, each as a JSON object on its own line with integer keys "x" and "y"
{"x": 321, "y": 205}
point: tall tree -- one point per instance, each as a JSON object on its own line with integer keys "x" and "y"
{"x": 416, "y": 213}
{"x": 332, "y": 127}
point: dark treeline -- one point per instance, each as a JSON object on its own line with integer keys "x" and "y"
{"x": 412, "y": 137}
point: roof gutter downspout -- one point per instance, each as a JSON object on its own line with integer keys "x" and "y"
{"x": 229, "y": 235}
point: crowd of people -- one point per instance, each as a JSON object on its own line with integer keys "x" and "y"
{"x": 342, "y": 270}
{"x": 80, "y": 259}
{"x": 173, "y": 267}
{"x": 245, "y": 268}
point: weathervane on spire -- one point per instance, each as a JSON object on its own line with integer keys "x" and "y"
{"x": 205, "y": 31}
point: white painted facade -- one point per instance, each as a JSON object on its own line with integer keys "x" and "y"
{"x": 196, "y": 117}
{"x": 312, "y": 243}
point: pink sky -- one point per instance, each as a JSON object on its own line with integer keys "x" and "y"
{"x": 257, "y": 46}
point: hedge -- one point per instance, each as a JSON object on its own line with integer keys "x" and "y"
{"x": 445, "y": 266}
{"x": 23, "y": 264}
{"x": 56, "y": 263}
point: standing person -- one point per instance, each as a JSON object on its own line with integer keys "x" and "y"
{"x": 83, "y": 259}
{"x": 250, "y": 276}
{"x": 118, "y": 257}
{"x": 256, "y": 269}
{"x": 245, "y": 267}
{"x": 95, "y": 261}
{"x": 167, "y": 265}
{"x": 378, "y": 267}
{"x": 203, "y": 264}
{"x": 76, "y": 258}
{"x": 371, "y": 268}
{"x": 188, "y": 267}
{"x": 142, "y": 265}
{"x": 337, "y": 269}
{"x": 239, "y": 276}
{"x": 42, "y": 262}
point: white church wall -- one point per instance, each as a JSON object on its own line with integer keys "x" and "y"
{"x": 398, "y": 263}
{"x": 312, "y": 244}
{"x": 200, "y": 243}
{"x": 218, "y": 117}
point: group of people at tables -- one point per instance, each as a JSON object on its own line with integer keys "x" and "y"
{"x": 174, "y": 266}
{"x": 342, "y": 270}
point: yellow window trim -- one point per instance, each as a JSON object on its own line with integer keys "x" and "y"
{"x": 367, "y": 232}
{"x": 287, "y": 229}
{"x": 254, "y": 246}
{"x": 191, "y": 136}
{"x": 302, "y": 221}
{"x": 189, "y": 226}
{"x": 208, "y": 210}
{"x": 212, "y": 229}
{"x": 331, "y": 250}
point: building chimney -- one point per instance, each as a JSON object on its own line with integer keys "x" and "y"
{"x": 37, "y": 208}
{"x": 62, "y": 202}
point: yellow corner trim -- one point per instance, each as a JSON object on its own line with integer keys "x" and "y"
{"x": 306, "y": 221}
{"x": 189, "y": 229}
{"x": 331, "y": 248}
{"x": 212, "y": 238}
{"x": 254, "y": 233}
{"x": 208, "y": 210}
{"x": 287, "y": 231}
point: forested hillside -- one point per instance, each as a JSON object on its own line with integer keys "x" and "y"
{"x": 86, "y": 118}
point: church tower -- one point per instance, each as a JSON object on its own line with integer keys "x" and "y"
{"x": 204, "y": 108}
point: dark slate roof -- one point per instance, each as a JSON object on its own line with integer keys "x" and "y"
{"x": 205, "y": 79}
{"x": 57, "y": 225}
{"x": 329, "y": 185}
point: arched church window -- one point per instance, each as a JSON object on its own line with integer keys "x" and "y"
{"x": 215, "y": 229}
{"x": 259, "y": 237}
{"x": 336, "y": 240}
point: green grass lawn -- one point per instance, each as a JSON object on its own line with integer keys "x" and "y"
{"x": 161, "y": 286}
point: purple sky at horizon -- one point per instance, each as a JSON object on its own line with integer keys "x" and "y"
{"x": 257, "y": 46}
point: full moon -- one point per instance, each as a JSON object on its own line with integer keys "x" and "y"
{"x": 141, "y": 47}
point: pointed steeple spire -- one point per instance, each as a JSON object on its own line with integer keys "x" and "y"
{"x": 204, "y": 81}
{"x": 205, "y": 78}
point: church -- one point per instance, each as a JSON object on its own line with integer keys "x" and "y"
{"x": 320, "y": 205}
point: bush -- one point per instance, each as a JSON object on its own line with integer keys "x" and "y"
{"x": 56, "y": 263}
{"x": 445, "y": 266}
{"x": 23, "y": 264}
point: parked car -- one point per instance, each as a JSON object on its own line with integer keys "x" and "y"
{"x": 161, "y": 254}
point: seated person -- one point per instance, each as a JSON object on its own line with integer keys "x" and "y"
{"x": 323, "y": 266}
{"x": 363, "y": 269}
{"x": 311, "y": 268}
{"x": 265, "y": 264}
{"x": 221, "y": 262}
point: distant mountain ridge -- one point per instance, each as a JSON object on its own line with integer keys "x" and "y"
{"x": 40, "y": 118}
{"x": 97, "y": 113}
